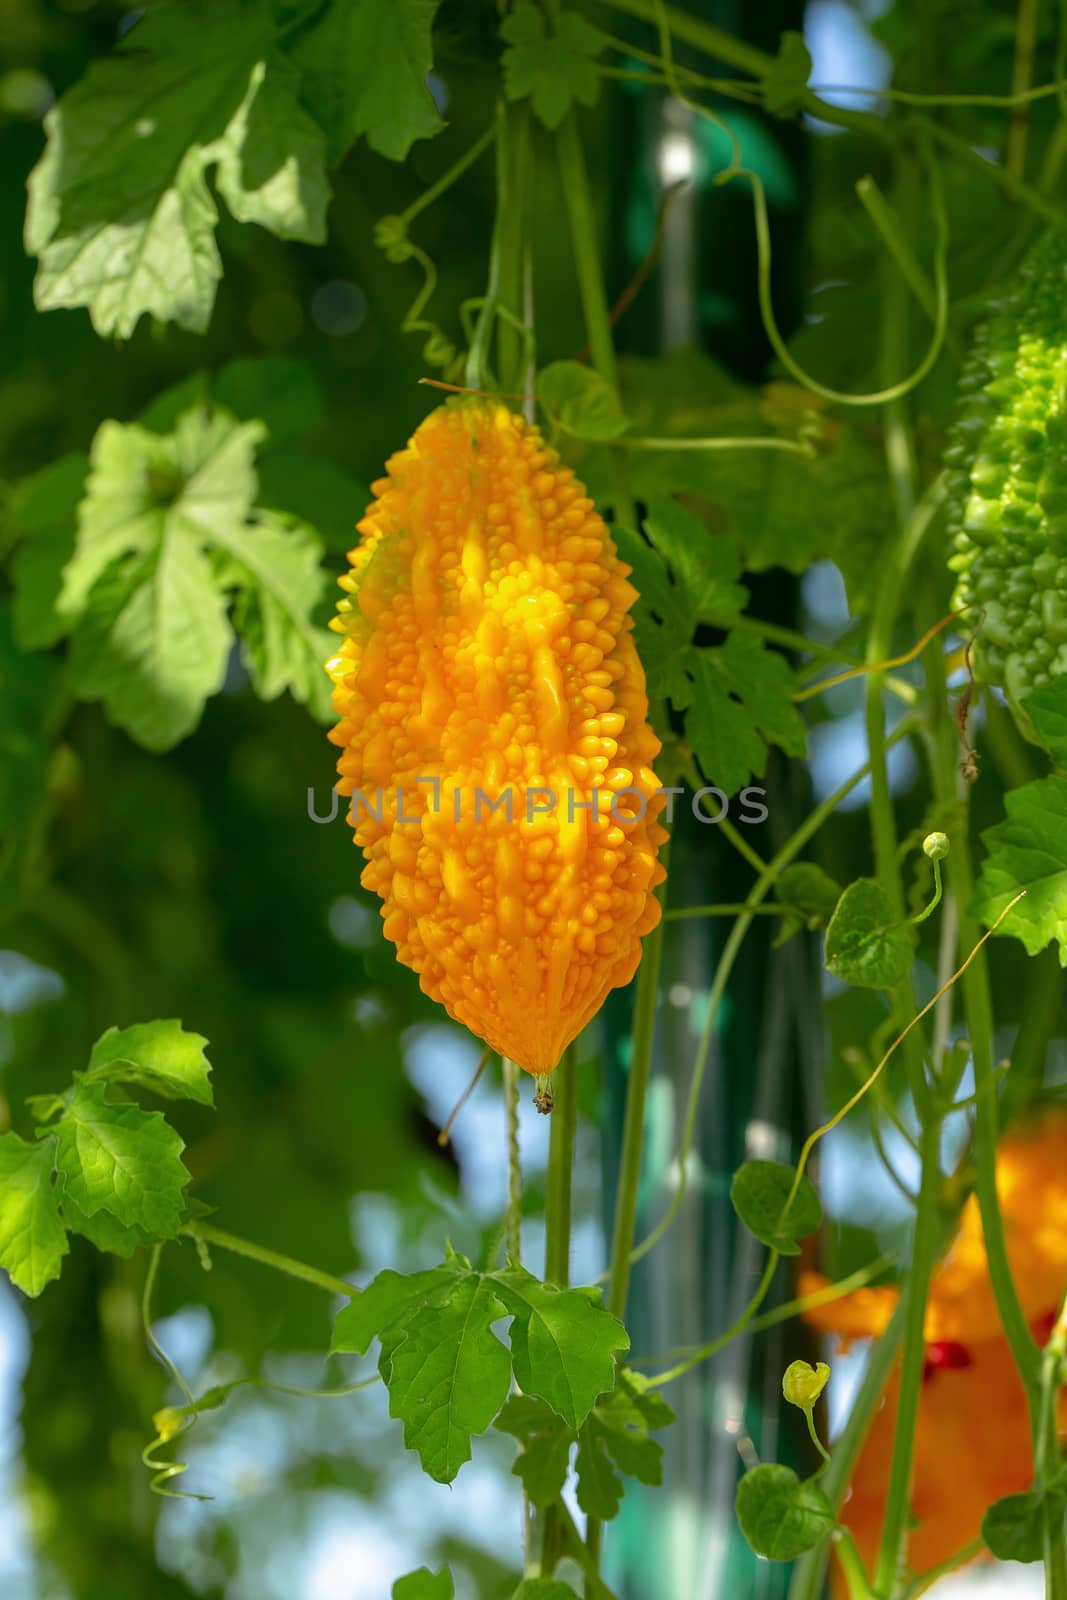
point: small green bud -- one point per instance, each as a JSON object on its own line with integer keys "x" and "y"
{"x": 803, "y": 1383}
{"x": 936, "y": 846}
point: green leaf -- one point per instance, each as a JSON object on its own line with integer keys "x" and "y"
{"x": 166, "y": 531}
{"x": 580, "y": 401}
{"x": 120, "y": 213}
{"x": 1013, "y": 1527}
{"x": 787, "y": 76}
{"x": 1046, "y": 708}
{"x": 556, "y": 66}
{"x": 737, "y": 699}
{"x": 546, "y": 1445}
{"x": 424, "y": 1585}
{"x": 114, "y": 1157}
{"x": 276, "y": 568}
{"x": 865, "y": 944}
{"x": 1028, "y": 850}
{"x": 705, "y": 566}
{"x": 364, "y": 68}
{"x": 102, "y": 1230}
{"x": 44, "y": 514}
{"x": 600, "y": 1488}
{"x": 617, "y": 1431}
{"x": 563, "y": 1343}
{"x": 159, "y": 1055}
{"x": 738, "y": 695}
{"x": 780, "y": 1516}
{"x": 33, "y": 1240}
{"x": 759, "y": 1193}
{"x": 153, "y": 641}
{"x": 446, "y": 1372}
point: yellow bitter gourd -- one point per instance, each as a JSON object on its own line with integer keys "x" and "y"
{"x": 488, "y": 654}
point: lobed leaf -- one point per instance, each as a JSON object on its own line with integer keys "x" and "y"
{"x": 120, "y": 213}
{"x": 159, "y": 1055}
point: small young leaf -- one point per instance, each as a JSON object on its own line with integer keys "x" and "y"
{"x": 705, "y": 566}
{"x": 159, "y": 1055}
{"x": 737, "y": 702}
{"x": 787, "y": 76}
{"x": 33, "y": 1240}
{"x": 424, "y": 1585}
{"x": 759, "y": 1192}
{"x": 563, "y": 1345}
{"x": 114, "y": 1157}
{"x": 1013, "y": 1526}
{"x": 616, "y": 1430}
{"x": 556, "y": 65}
{"x": 864, "y": 947}
{"x": 780, "y": 1516}
{"x": 581, "y": 401}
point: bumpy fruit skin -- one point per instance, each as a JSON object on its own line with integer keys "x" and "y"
{"x": 1007, "y": 462}
{"x": 488, "y": 649}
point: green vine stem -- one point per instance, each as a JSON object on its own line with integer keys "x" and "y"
{"x": 513, "y": 1220}
{"x": 626, "y": 1195}
{"x": 722, "y": 46}
{"x": 1047, "y": 1455}
{"x": 583, "y": 230}
{"x": 979, "y": 1007}
{"x": 558, "y": 1206}
{"x": 925, "y": 1248}
{"x": 926, "y": 1240}
{"x": 560, "y": 1169}
{"x": 715, "y": 1345}
{"x": 269, "y": 1258}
